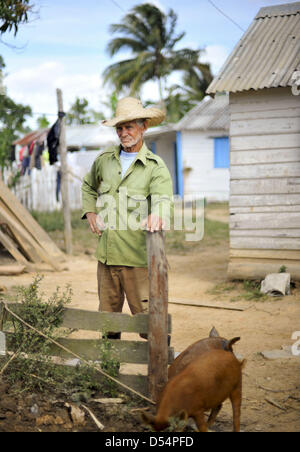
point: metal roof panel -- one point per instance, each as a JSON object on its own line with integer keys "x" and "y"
{"x": 266, "y": 56}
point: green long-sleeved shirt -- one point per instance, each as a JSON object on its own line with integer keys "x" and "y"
{"x": 146, "y": 188}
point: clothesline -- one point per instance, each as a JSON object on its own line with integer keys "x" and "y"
{"x": 10, "y": 110}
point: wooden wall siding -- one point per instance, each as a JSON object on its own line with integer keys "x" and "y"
{"x": 264, "y": 182}
{"x": 271, "y": 186}
{"x": 257, "y": 269}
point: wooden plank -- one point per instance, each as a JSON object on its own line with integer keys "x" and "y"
{"x": 10, "y": 270}
{"x": 133, "y": 352}
{"x": 289, "y": 220}
{"x": 256, "y": 156}
{"x": 276, "y": 233}
{"x": 263, "y": 100}
{"x": 28, "y": 222}
{"x": 264, "y": 200}
{"x": 28, "y": 250}
{"x": 257, "y": 270}
{"x": 137, "y": 382}
{"x": 265, "y": 209}
{"x": 264, "y": 126}
{"x": 64, "y": 174}
{"x": 293, "y": 111}
{"x": 267, "y": 141}
{"x": 101, "y": 321}
{"x": 265, "y": 243}
{"x": 264, "y": 171}
{"x": 158, "y": 314}
{"x": 11, "y": 247}
{"x": 200, "y": 304}
{"x": 265, "y": 254}
{"x": 265, "y": 186}
{"x": 15, "y": 225}
{"x": 105, "y": 321}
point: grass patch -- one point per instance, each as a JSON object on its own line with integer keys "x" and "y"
{"x": 247, "y": 290}
{"x": 215, "y": 232}
{"x": 54, "y": 221}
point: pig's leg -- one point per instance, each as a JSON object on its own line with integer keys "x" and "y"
{"x": 200, "y": 421}
{"x": 236, "y": 401}
{"x": 213, "y": 415}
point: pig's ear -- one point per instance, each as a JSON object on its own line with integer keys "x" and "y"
{"x": 147, "y": 418}
{"x": 214, "y": 332}
{"x": 231, "y": 342}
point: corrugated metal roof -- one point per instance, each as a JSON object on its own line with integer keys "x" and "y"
{"x": 267, "y": 55}
{"x": 39, "y": 135}
{"x": 210, "y": 114}
{"x": 90, "y": 136}
{"x": 159, "y": 130}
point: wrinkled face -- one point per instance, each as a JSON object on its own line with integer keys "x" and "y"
{"x": 130, "y": 133}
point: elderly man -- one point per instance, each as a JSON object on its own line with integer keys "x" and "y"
{"x": 123, "y": 176}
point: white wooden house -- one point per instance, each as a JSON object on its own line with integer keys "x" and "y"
{"x": 196, "y": 150}
{"x": 260, "y": 77}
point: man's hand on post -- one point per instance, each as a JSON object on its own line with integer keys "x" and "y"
{"x": 153, "y": 223}
{"x": 95, "y": 223}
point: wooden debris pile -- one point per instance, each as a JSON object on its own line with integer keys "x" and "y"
{"x": 24, "y": 238}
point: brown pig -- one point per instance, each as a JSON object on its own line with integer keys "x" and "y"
{"x": 203, "y": 385}
{"x": 214, "y": 341}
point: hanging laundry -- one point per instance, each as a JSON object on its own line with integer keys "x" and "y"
{"x": 31, "y": 146}
{"x": 53, "y": 142}
{"x": 38, "y": 155}
{"x": 13, "y": 153}
{"x": 25, "y": 161}
{"x": 21, "y": 153}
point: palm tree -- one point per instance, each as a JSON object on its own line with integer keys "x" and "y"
{"x": 196, "y": 81}
{"x": 150, "y": 35}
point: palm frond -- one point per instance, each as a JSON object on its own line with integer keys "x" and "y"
{"x": 117, "y": 44}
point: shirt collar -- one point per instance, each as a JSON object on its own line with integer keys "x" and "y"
{"x": 141, "y": 155}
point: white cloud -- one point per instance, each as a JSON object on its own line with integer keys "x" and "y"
{"x": 216, "y": 55}
{"x": 36, "y": 86}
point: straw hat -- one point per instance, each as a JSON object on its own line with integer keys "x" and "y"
{"x": 129, "y": 109}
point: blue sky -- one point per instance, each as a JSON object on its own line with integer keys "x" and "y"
{"x": 65, "y": 46}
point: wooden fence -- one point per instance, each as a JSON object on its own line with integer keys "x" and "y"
{"x": 157, "y": 324}
{"x": 38, "y": 190}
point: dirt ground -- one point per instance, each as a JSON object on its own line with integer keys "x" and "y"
{"x": 271, "y": 394}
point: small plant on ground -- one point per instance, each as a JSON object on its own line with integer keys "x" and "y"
{"x": 252, "y": 291}
{"x": 109, "y": 364}
{"x": 31, "y": 366}
{"x": 283, "y": 269}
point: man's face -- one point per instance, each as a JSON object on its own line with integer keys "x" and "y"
{"x": 130, "y": 133}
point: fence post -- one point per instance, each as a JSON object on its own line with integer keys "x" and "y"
{"x": 158, "y": 314}
{"x": 64, "y": 174}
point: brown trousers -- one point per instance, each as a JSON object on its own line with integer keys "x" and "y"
{"x": 114, "y": 282}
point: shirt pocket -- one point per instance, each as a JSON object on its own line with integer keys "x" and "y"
{"x": 104, "y": 188}
{"x": 137, "y": 200}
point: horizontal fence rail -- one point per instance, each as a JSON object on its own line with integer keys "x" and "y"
{"x": 124, "y": 351}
